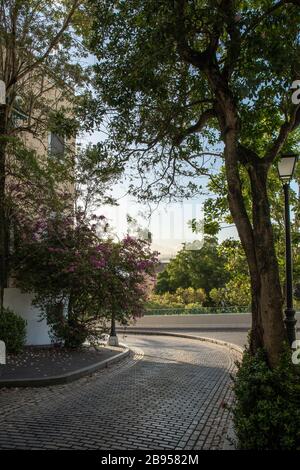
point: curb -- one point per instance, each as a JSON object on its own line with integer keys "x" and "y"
{"x": 231, "y": 346}
{"x": 230, "y": 439}
{"x": 69, "y": 376}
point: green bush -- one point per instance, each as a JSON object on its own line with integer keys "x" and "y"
{"x": 72, "y": 332}
{"x": 12, "y": 331}
{"x": 157, "y": 310}
{"x": 267, "y": 408}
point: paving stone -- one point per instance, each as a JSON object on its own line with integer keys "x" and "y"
{"x": 167, "y": 395}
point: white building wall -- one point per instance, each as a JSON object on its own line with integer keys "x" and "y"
{"x": 37, "y": 329}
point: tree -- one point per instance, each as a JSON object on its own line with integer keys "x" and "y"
{"x": 46, "y": 91}
{"x": 197, "y": 269}
{"x": 217, "y": 213}
{"x": 178, "y": 75}
{"x": 236, "y": 291}
{"x": 36, "y": 45}
{"x": 79, "y": 277}
{"x": 182, "y": 298}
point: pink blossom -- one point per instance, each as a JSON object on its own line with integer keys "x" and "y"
{"x": 71, "y": 269}
{"x": 143, "y": 265}
{"x": 98, "y": 263}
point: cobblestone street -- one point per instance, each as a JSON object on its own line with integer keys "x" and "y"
{"x": 170, "y": 394}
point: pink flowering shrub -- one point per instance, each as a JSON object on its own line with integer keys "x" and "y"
{"x": 79, "y": 277}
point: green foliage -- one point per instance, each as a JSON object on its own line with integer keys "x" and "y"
{"x": 12, "y": 331}
{"x": 220, "y": 268}
{"x": 190, "y": 81}
{"x": 267, "y": 408}
{"x": 96, "y": 172}
{"x": 59, "y": 123}
{"x": 41, "y": 78}
{"x": 35, "y": 184}
{"x": 73, "y": 329}
{"x": 79, "y": 276}
{"x": 182, "y": 298}
{"x": 195, "y": 310}
{"x": 158, "y": 91}
{"x": 197, "y": 269}
{"x": 236, "y": 292}
{"x": 217, "y": 213}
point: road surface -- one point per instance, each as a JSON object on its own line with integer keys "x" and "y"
{"x": 227, "y": 327}
{"x": 170, "y": 394}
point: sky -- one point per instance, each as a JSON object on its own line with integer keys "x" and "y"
{"x": 167, "y": 222}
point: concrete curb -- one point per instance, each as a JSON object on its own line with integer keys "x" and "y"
{"x": 231, "y": 346}
{"x": 69, "y": 376}
{"x": 230, "y": 441}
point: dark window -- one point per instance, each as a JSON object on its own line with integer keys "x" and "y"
{"x": 57, "y": 145}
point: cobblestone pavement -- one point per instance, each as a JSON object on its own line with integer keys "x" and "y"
{"x": 170, "y": 394}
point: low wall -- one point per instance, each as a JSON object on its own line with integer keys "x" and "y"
{"x": 37, "y": 329}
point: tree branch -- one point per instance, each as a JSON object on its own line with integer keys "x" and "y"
{"x": 234, "y": 46}
{"x": 202, "y": 121}
{"x": 50, "y": 47}
{"x": 246, "y": 155}
{"x": 188, "y": 54}
{"x": 268, "y": 12}
{"x": 286, "y": 128}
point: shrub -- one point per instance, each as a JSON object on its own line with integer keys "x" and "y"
{"x": 235, "y": 292}
{"x": 156, "y": 309}
{"x": 72, "y": 332}
{"x": 80, "y": 277}
{"x": 12, "y": 331}
{"x": 267, "y": 409}
{"x": 180, "y": 299}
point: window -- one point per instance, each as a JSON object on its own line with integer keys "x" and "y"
{"x": 56, "y": 145}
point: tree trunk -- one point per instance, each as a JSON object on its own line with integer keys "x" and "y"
{"x": 269, "y": 295}
{"x": 245, "y": 231}
{"x": 267, "y": 329}
{"x": 257, "y": 237}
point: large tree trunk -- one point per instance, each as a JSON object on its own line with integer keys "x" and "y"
{"x": 269, "y": 295}
{"x": 245, "y": 231}
{"x": 267, "y": 329}
{"x": 256, "y": 236}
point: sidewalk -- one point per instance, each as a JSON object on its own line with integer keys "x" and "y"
{"x": 49, "y": 366}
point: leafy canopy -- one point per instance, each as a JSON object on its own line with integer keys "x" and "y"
{"x": 204, "y": 269}
{"x": 79, "y": 276}
{"x": 161, "y": 106}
